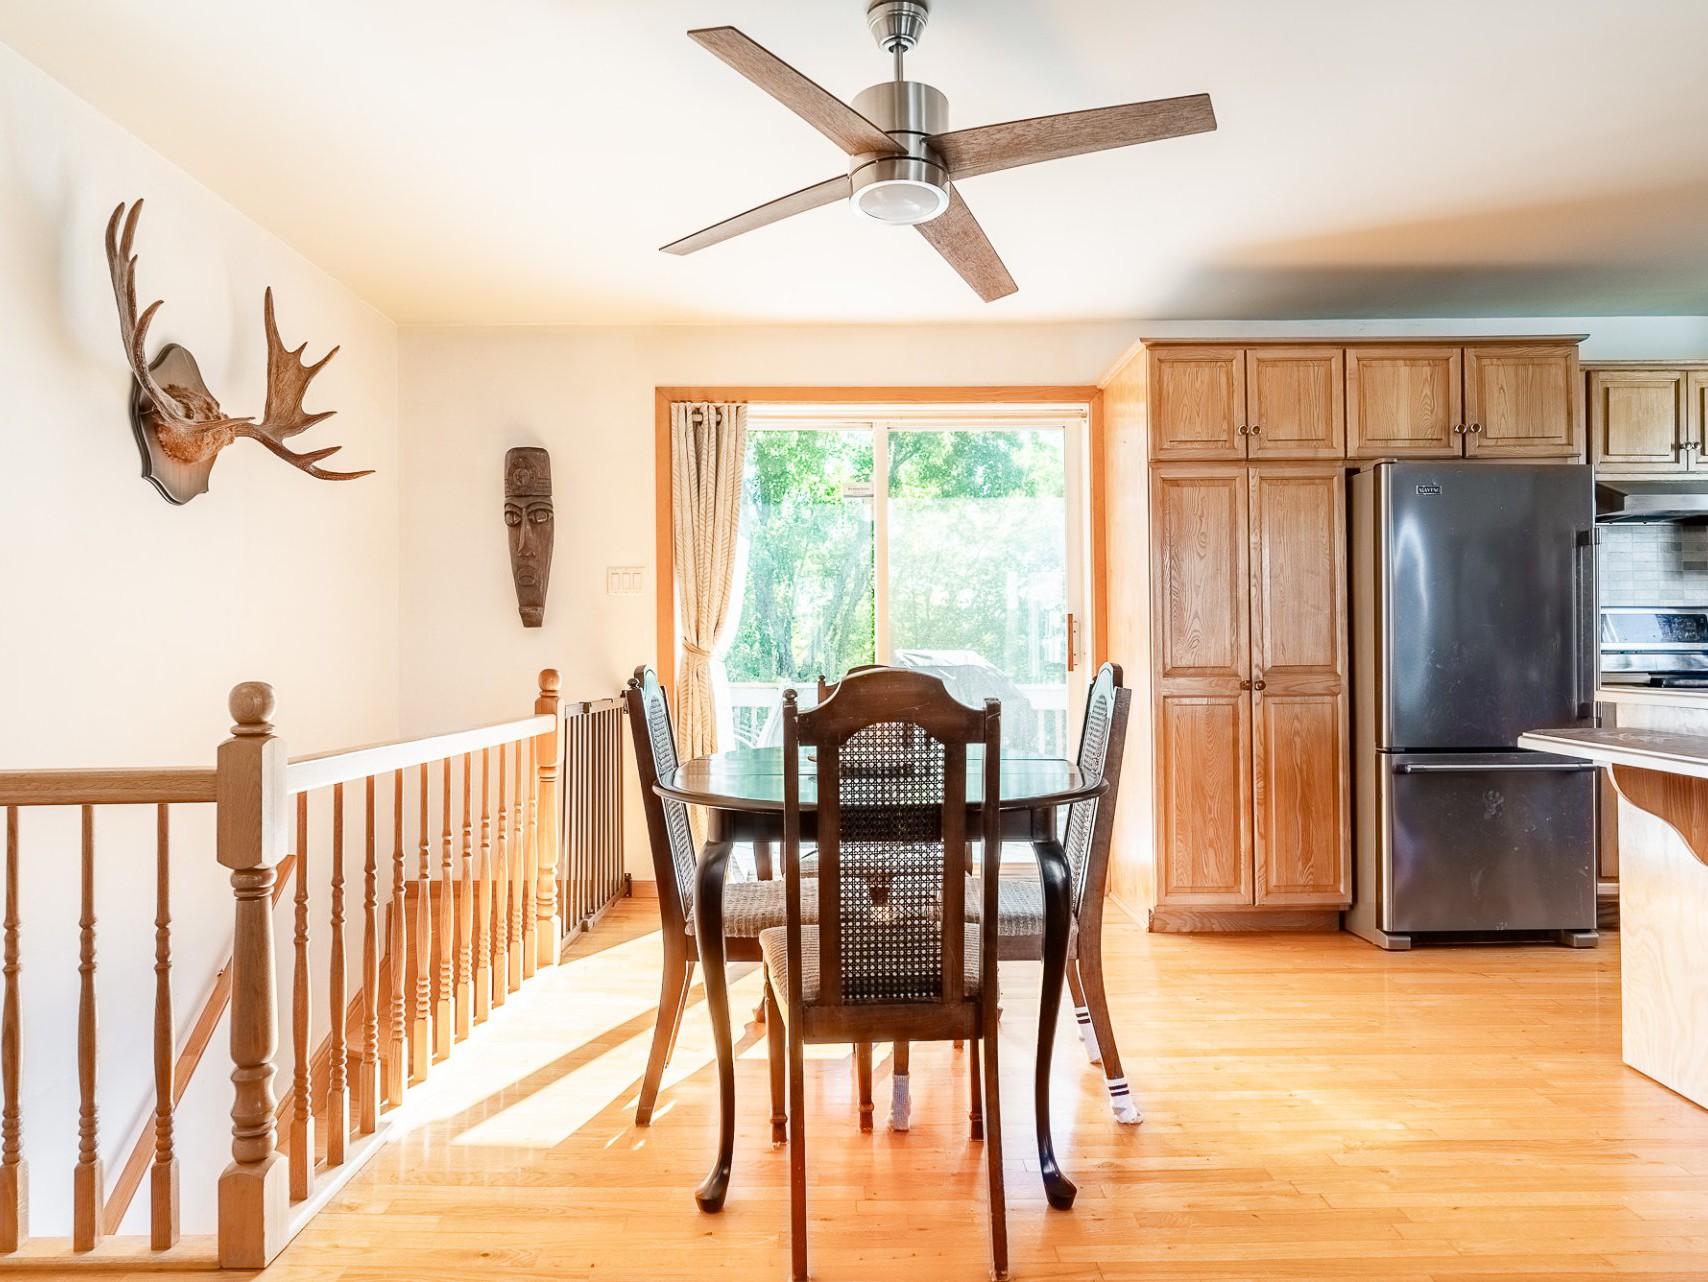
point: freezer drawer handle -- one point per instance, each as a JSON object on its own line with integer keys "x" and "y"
{"x": 1560, "y": 767}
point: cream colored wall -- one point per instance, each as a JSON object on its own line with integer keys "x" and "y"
{"x": 124, "y": 620}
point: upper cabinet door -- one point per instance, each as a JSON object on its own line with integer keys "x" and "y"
{"x": 1696, "y": 415}
{"x": 1638, "y": 421}
{"x": 1197, "y": 402}
{"x": 1403, "y": 402}
{"x": 1523, "y": 401}
{"x": 1296, "y": 402}
{"x": 1201, "y": 593}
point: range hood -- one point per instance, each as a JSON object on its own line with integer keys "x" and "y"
{"x": 1622, "y": 501}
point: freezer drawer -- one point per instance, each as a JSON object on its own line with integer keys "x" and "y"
{"x": 1486, "y": 841}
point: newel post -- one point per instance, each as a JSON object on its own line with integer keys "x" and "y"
{"x": 254, "y": 1202}
{"x": 547, "y": 836}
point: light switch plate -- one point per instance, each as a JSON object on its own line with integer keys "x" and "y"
{"x": 624, "y": 580}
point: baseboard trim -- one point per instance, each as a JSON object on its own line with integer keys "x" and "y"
{"x": 1186, "y": 921}
{"x": 1133, "y": 914}
{"x": 639, "y": 889}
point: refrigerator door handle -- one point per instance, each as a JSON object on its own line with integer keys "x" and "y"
{"x": 1584, "y": 655}
{"x": 1467, "y": 767}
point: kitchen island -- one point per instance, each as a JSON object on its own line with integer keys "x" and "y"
{"x": 1657, "y": 759}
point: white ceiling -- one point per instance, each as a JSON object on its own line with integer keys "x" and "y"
{"x": 519, "y": 162}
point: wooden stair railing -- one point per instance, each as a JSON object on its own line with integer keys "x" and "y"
{"x": 545, "y": 854}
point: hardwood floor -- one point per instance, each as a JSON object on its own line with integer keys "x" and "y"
{"x": 1315, "y": 1108}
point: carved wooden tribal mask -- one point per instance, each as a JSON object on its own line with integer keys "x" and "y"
{"x": 528, "y": 516}
{"x": 179, "y": 426}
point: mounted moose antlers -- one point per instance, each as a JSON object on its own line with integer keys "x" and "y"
{"x": 178, "y": 423}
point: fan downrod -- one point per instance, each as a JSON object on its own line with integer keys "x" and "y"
{"x": 897, "y": 24}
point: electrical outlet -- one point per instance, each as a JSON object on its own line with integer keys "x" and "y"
{"x": 624, "y": 580}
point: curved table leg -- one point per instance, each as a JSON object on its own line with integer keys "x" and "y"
{"x": 709, "y": 937}
{"x": 1058, "y": 922}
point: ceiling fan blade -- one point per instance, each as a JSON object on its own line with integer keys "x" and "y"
{"x": 820, "y": 108}
{"x": 988, "y": 148}
{"x": 956, "y": 234}
{"x": 827, "y": 192}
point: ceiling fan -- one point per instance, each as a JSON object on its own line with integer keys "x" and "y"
{"x": 905, "y": 165}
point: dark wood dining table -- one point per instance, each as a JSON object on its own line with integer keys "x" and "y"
{"x": 741, "y": 793}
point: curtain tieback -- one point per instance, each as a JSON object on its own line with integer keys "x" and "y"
{"x": 696, "y": 651}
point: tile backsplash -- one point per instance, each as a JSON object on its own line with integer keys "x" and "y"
{"x": 1658, "y": 564}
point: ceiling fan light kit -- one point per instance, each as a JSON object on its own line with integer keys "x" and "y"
{"x": 912, "y": 188}
{"x": 905, "y": 164}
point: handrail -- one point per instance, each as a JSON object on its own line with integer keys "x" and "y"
{"x": 195, "y": 1045}
{"x": 322, "y": 770}
{"x": 143, "y": 786}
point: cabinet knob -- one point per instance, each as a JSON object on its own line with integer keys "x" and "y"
{"x": 1256, "y": 428}
{"x": 1245, "y": 685}
{"x": 1476, "y": 427}
{"x": 1258, "y": 684}
{"x": 1244, "y": 431}
{"x": 1458, "y": 429}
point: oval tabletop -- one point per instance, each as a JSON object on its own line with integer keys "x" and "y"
{"x": 751, "y": 779}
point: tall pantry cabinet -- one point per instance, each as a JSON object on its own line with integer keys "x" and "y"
{"x": 1225, "y": 467}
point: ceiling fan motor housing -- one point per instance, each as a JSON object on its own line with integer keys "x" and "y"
{"x": 913, "y": 187}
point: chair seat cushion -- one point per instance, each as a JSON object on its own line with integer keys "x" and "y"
{"x": 774, "y": 947}
{"x": 753, "y": 906}
{"x": 1020, "y": 905}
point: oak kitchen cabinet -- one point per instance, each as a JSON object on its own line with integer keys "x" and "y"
{"x": 1486, "y": 400}
{"x": 1647, "y": 419}
{"x": 1210, "y": 402}
{"x": 1250, "y": 670}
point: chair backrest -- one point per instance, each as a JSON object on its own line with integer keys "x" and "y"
{"x": 672, "y": 840}
{"x": 1090, "y": 824}
{"x": 826, "y": 687}
{"x": 892, "y": 762}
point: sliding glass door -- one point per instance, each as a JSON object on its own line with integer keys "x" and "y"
{"x": 951, "y": 546}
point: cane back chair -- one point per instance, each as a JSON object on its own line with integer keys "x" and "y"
{"x": 895, "y": 955}
{"x": 749, "y": 906}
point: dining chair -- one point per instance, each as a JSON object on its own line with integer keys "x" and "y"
{"x": 749, "y": 906}
{"x": 894, "y": 954}
{"x": 1020, "y": 900}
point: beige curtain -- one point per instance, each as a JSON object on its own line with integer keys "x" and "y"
{"x": 708, "y": 448}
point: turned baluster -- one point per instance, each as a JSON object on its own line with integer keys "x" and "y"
{"x": 421, "y": 1025}
{"x": 302, "y": 1100}
{"x": 86, "y": 1188}
{"x": 548, "y": 822}
{"x": 501, "y": 888}
{"x": 254, "y": 1209}
{"x": 338, "y": 1009}
{"x": 368, "y": 1084}
{"x": 578, "y": 789}
{"x": 397, "y": 1057}
{"x": 483, "y": 896}
{"x": 443, "y": 1028}
{"x": 14, "y": 1174}
{"x": 530, "y": 860}
{"x": 519, "y": 910}
{"x": 163, "y": 1175}
{"x": 465, "y": 912}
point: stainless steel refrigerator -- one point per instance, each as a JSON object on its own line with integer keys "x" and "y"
{"x": 1473, "y": 620}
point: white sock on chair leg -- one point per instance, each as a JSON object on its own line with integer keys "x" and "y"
{"x": 1087, "y": 1034}
{"x": 901, "y": 1103}
{"x": 1122, "y": 1103}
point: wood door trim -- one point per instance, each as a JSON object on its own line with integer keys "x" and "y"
{"x": 664, "y": 557}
